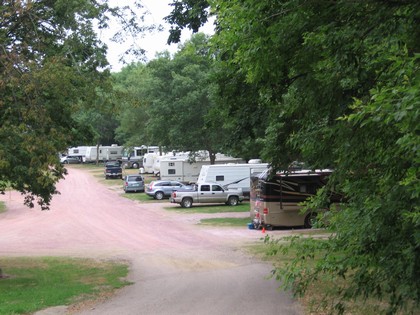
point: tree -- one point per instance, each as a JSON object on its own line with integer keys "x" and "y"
{"x": 51, "y": 63}
{"x": 183, "y": 97}
{"x": 340, "y": 85}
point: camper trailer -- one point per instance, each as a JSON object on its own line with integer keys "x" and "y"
{"x": 233, "y": 176}
{"x": 78, "y": 152}
{"x": 179, "y": 167}
{"x": 133, "y": 156}
{"x": 103, "y": 153}
{"x": 275, "y": 198}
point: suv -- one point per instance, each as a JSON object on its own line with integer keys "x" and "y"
{"x": 160, "y": 189}
{"x": 133, "y": 183}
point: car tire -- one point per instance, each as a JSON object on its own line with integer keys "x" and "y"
{"x": 159, "y": 195}
{"x": 233, "y": 201}
{"x": 310, "y": 219}
{"x": 186, "y": 203}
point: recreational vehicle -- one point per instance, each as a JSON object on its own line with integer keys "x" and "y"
{"x": 133, "y": 156}
{"x": 181, "y": 168}
{"x": 275, "y": 198}
{"x": 78, "y": 152}
{"x": 103, "y": 153}
{"x": 235, "y": 176}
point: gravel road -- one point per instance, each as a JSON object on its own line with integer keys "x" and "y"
{"x": 177, "y": 266}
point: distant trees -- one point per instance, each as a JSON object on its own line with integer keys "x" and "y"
{"x": 51, "y": 65}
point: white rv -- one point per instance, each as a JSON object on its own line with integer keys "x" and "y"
{"x": 105, "y": 153}
{"x": 149, "y": 161}
{"x": 180, "y": 168}
{"x": 235, "y": 176}
{"x": 78, "y": 152}
{"x": 133, "y": 157}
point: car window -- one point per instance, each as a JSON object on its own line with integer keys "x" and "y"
{"x": 176, "y": 184}
{"x": 216, "y": 188}
{"x": 205, "y": 188}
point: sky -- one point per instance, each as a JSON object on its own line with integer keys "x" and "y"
{"x": 152, "y": 43}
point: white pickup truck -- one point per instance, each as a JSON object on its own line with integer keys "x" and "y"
{"x": 206, "y": 193}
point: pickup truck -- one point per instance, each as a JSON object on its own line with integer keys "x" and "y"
{"x": 113, "y": 170}
{"x": 206, "y": 193}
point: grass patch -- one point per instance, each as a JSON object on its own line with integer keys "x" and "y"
{"x": 228, "y": 222}
{"x": 2, "y": 207}
{"x": 142, "y": 197}
{"x": 31, "y": 284}
{"x": 242, "y": 207}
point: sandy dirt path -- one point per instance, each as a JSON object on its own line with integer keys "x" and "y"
{"x": 177, "y": 267}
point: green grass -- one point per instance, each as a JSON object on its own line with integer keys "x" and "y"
{"x": 2, "y": 207}
{"x": 228, "y": 222}
{"x": 202, "y": 208}
{"x": 32, "y": 284}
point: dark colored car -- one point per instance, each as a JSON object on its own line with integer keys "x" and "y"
{"x": 133, "y": 183}
{"x": 160, "y": 189}
{"x": 113, "y": 170}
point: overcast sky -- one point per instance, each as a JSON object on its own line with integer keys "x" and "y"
{"x": 152, "y": 43}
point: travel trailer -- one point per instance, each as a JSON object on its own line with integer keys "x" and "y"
{"x": 133, "y": 156}
{"x": 103, "y": 153}
{"x": 235, "y": 176}
{"x": 149, "y": 161}
{"x": 180, "y": 168}
{"x": 275, "y": 198}
{"x": 78, "y": 152}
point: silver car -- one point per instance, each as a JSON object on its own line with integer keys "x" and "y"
{"x": 160, "y": 189}
{"x": 133, "y": 183}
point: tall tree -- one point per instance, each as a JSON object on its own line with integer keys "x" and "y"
{"x": 51, "y": 62}
{"x": 339, "y": 81}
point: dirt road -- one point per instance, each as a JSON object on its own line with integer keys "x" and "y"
{"x": 177, "y": 267}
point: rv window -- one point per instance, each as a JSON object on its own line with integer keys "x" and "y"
{"x": 76, "y": 151}
{"x": 205, "y": 188}
{"x": 171, "y": 171}
{"x": 220, "y": 178}
{"x": 171, "y": 164}
{"x": 113, "y": 152}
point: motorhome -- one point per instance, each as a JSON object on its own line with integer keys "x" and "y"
{"x": 133, "y": 156}
{"x": 103, "y": 153}
{"x": 180, "y": 167}
{"x": 235, "y": 176}
{"x": 275, "y": 199}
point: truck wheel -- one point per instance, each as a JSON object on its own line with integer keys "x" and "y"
{"x": 233, "y": 200}
{"x": 186, "y": 203}
{"x": 310, "y": 220}
{"x": 135, "y": 165}
{"x": 159, "y": 195}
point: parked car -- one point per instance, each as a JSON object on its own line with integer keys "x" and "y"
{"x": 113, "y": 170}
{"x": 69, "y": 160}
{"x": 133, "y": 183}
{"x": 160, "y": 189}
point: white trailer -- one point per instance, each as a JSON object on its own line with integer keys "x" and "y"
{"x": 235, "y": 176}
{"x": 149, "y": 161}
{"x": 104, "y": 153}
{"x": 133, "y": 156}
{"x": 78, "y": 152}
{"x": 180, "y": 167}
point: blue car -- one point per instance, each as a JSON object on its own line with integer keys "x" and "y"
{"x": 133, "y": 183}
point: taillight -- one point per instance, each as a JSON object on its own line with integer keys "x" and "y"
{"x": 174, "y": 194}
{"x": 265, "y": 211}
{"x": 257, "y": 215}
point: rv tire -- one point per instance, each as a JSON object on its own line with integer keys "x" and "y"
{"x": 135, "y": 165}
{"x": 186, "y": 203}
{"x": 310, "y": 219}
{"x": 233, "y": 201}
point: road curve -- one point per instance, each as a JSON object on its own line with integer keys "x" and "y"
{"x": 177, "y": 267}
